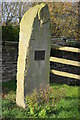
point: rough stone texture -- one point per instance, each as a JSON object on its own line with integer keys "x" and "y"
{"x": 34, "y": 36}
{"x": 8, "y": 64}
{"x": 9, "y": 61}
{"x": 0, "y": 64}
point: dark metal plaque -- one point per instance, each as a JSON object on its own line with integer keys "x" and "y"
{"x": 39, "y": 55}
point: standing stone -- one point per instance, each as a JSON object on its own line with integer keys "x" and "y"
{"x": 33, "y": 67}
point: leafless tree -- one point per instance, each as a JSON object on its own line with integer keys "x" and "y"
{"x": 13, "y": 11}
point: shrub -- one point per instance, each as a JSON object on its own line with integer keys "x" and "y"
{"x": 43, "y": 100}
{"x": 10, "y": 33}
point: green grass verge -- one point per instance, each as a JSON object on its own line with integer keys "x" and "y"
{"x": 68, "y": 107}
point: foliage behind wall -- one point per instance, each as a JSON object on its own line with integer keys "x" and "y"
{"x": 10, "y": 33}
{"x": 64, "y": 19}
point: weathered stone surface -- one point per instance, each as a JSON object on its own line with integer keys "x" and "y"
{"x": 9, "y": 62}
{"x": 34, "y": 36}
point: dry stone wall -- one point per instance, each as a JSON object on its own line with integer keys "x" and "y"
{"x": 0, "y": 61}
{"x": 10, "y": 64}
{"x": 9, "y": 61}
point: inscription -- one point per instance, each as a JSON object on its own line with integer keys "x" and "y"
{"x": 39, "y": 55}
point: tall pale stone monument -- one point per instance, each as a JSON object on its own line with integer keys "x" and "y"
{"x": 33, "y": 66}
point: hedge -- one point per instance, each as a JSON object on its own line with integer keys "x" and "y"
{"x": 10, "y": 33}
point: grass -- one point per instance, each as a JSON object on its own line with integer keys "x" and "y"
{"x": 68, "y": 107}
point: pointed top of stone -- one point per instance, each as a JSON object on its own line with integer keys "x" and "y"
{"x": 29, "y": 16}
